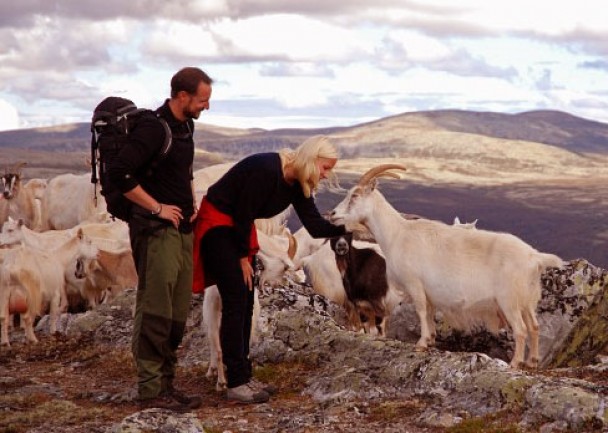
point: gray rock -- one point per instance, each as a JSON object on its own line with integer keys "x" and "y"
{"x": 357, "y": 367}
{"x": 159, "y": 421}
{"x": 456, "y": 379}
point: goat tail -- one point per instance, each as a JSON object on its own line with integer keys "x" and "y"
{"x": 549, "y": 261}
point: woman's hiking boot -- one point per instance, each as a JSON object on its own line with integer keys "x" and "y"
{"x": 247, "y": 393}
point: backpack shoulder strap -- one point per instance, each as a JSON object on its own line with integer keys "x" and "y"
{"x": 168, "y": 143}
{"x": 166, "y": 147}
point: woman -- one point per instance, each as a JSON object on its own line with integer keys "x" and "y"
{"x": 260, "y": 186}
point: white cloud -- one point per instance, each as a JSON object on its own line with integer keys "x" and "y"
{"x": 306, "y": 63}
{"x": 9, "y": 117}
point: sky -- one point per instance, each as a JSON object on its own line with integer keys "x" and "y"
{"x": 304, "y": 64}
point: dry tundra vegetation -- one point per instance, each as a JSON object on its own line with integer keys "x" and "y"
{"x": 554, "y": 200}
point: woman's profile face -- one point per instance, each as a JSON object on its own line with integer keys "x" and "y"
{"x": 325, "y": 165}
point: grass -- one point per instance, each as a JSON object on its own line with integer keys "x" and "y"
{"x": 35, "y": 410}
{"x": 495, "y": 423}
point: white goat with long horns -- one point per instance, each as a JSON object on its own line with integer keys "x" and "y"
{"x": 475, "y": 277}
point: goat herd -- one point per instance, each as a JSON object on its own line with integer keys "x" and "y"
{"x": 60, "y": 248}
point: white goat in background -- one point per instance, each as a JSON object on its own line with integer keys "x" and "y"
{"x": 40, "y": 277}
{"x": 19, "y": 200}
{"x": 471, "y": 225}
{"x": 473, "y": 276}
{"x": 69, "y": 200}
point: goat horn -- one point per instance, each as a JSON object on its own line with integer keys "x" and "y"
{"x": 293, "y": 246}
{"x": 17, "y": 167}
{"x": 378, "y": 171}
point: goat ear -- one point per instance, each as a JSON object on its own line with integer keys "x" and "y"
{"x": 370, "y": 186}
{"x": 357, "y": 191}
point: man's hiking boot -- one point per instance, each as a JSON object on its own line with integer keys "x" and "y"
{"x": 171, "y": 399}
{"x": 163, "y": 401}
{"x": 247, "y": 393}
{"x": 191, "y": 401}
{"x": 267, "y": 387}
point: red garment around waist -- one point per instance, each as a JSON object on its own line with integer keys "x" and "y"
{"x": 208, "y": 217}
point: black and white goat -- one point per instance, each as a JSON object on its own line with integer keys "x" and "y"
{"x": 363, "y": 273}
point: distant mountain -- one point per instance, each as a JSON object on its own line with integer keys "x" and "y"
{"x": 231, "y": 142}
{"x": 382, "y": 137}
{"x": 540, "y": 175}
{"x": 545, "y": 126}
{"x": 397, "y": 134}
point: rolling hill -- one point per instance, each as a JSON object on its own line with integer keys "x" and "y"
{"x": 541, "y": 175}
{"x": 553, "y": 128}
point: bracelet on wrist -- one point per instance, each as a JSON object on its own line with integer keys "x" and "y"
{"x": 158, "y": 210}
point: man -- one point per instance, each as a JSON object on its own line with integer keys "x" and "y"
{"x": 160, "y": 229}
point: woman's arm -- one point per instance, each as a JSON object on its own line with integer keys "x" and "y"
{"x": 315, "y": 224}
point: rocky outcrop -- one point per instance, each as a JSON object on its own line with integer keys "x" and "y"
{"x": 574, "y": 315}
{"x": 360, "y": 367}
{"x": 465, "y": 376}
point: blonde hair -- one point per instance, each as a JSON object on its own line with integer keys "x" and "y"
{"x": 304, "y": 161}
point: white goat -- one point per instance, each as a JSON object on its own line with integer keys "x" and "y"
{"x": 19, "y": 200}
{"x": 471, "y": 225}
{"x": 40, "y": 277}
{"x": 109, "y": 274}
{"x": 472, "y": 276}
{"x": 69, "y": 201}
{"x": 306, "y": 245}
{"x": 204, "y": 177}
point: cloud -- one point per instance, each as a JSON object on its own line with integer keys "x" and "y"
{"x": 595, "y": 64}
{"x": 9, "y": 118}
{"x": 298, "y": 59}
{"x": 287, "y": 69}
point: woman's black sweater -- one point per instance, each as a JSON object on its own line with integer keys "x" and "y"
{"x": 255, "y": 188}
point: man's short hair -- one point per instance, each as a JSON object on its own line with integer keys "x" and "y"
{"x": 188, "y": 79}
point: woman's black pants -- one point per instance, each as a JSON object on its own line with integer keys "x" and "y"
{"x": 222, "y": 263}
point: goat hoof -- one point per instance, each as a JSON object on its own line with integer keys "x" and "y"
{"x": 532, "y": 364}
{"x": 220, "y": 387}
{"x": 517, "y": 365}
{"x": 420, "y": 349}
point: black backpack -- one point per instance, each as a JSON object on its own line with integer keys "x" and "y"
{"x": 112, "y": 121}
